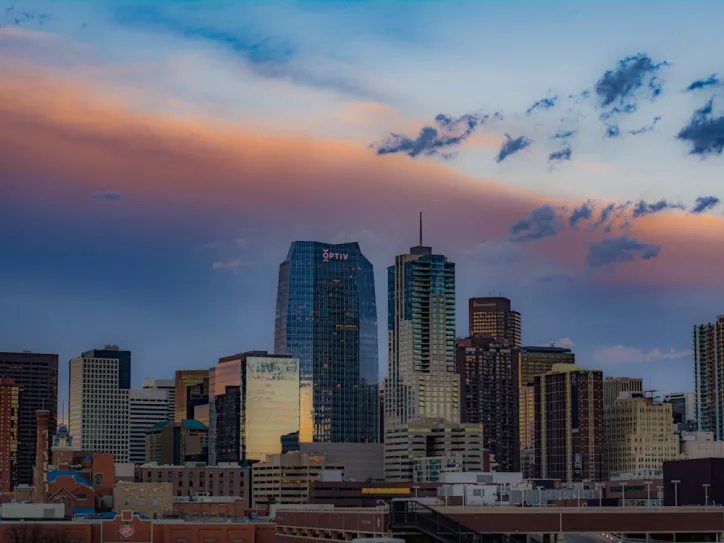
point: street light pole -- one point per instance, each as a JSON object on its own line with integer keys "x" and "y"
{"x": 648, "y": 493}
{"x": 676, "y": 492}
{"x": 706, "y": 494}
{"x": 600, "y": 494}
{"x": 659, "y": 494}
{"x": 623, "y": 494}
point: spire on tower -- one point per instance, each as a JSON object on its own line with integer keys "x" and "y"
{"x": 420, "y": 241}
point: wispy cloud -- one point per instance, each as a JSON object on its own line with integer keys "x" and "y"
{"x": 634, "y": 77}
{"x": 705, "y": 203}
{"x": 511, "y": 146}
{"x": 705, "y": 132}
{"x": 448, "y": 131}
{"x": 543, "y": 222}
{"x": 618, "y": 249}
{"x": 234, "y": 265}
{"x": 621, "y": 354}
{"x": 213, "y": 245}
{"x": 111, "y": 195}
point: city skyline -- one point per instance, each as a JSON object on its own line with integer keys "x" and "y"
{"x": 149, "y": 196}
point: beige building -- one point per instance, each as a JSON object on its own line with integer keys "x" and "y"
{"x": 613, "y": 386}
{"x": 151, "y": 499}
{"x": 700, "y": 445}
{"x": 409, "y": 449}
{"x": 639, "y": 434}
{"x": 287, "y": 478}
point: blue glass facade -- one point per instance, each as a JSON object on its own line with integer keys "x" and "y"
{"x": 327, "y": 318}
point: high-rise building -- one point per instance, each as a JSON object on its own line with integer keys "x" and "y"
{"x": 255, "y": 400}
{"x": 614, "y": 386}
{"x": 148, "y": 406}
{"x": 489, "y": 395}
{"x": 169, "y": 385}
{"x": 494, "y": 316}
{"x": 197, "y": 401}
{"x": 36, "y": 376}
{"x": 424, "y": 448}
{"x": 537, "y": 360}
{"x": 185, "y": 379}
{"x": 708, "y": 386}
{"x": 9, "y": 408}
{"x": 569, "y": 429}
{"x": 527, "y": 430}
{"x": 99, "y": 402}
{"x": 422, "y": 379}
{"x": 639, "y": 434}
{"x": 326, "y": 317}
{"x": 683, "y": 406}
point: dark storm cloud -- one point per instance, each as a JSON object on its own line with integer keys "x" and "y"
{"x": 632, "y": 76}
{"x": 705, "y": 132}
{"x": 704, "y": 203}
{"x": 563, "y": 134}
{"x": 511, "y": 146}
{"x": 431, "y": 140}
{"x": 563, "y": 154}
{"x": 619, "y": 249}
{"x": 543, "y": 222}
{"x": 543, "y": 103}
{"x": 712, "y": 81}
{"x": 108, "y": 195}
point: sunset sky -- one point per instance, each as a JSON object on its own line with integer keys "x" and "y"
{"x": 158, "y": 158}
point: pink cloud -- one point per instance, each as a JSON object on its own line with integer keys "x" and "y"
{"x": 61, "y": 130}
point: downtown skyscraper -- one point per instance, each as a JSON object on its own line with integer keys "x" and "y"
{"x": 36, "y": 377}
{"x": 326, "y": 318}
{"x": 422, "y": 379}
{"x": 708, "y": 372}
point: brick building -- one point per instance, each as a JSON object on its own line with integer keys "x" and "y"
{"x": 192, "y": 480}
{"x": 151, "y": 499}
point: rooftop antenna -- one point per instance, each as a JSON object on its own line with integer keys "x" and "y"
{"x": 420, "y": 244}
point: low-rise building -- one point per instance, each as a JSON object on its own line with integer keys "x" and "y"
{"x": 151, "y": 499}
{"x": 422, "y": 449}
{"x": 199, "y": 479}
{"x": 367, "y": 494}
{"x": 362, "y": 461}
{"x": 287, "y": 478}
{"x": 700, "y": 445}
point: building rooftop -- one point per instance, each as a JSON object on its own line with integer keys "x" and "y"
{"x": 53, "y": 475}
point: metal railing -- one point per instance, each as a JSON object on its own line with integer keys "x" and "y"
{"x": 405, "y": 514}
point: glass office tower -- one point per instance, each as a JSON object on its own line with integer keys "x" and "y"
{"x": 327, "y": 318}
{"x": 254, "y": 407}
{"x": 422, "y": 379}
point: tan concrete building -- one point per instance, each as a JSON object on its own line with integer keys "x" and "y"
{"x": 151, "y": 499}
{"x": 700, "y": 445}
{"x": 287, "y": 478}
{"x": 410, "y": 447}
{"x": 639, "y": 434}
{"x": 613, "y": 386}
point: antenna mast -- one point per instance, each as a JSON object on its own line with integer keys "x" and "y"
{"x": 420, "y": 239}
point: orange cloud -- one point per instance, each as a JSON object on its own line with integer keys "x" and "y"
{"x": 84, "y": 142}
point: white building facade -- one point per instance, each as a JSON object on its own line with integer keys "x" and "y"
{"x": 99, "y": 407}
{"x": 148, "y": 406}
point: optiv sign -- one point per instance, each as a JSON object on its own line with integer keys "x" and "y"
{"x": 327, "y": 256}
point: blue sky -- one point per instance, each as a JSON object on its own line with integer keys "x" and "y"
{"x": 149, "y": 138}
